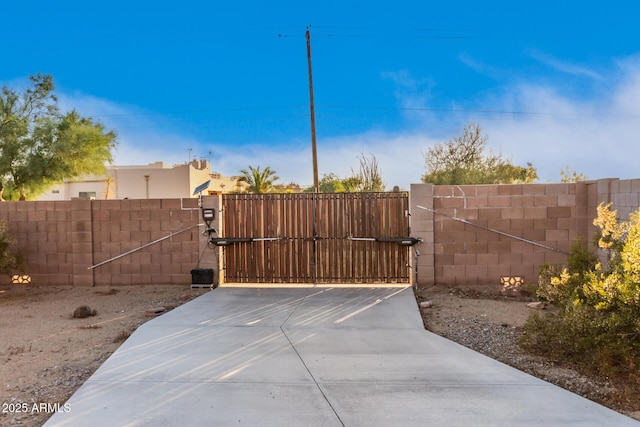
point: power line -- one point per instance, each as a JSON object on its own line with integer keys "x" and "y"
{"x": 161, "y": 39}
{"x": 325, "y": 107}
{"x": 481, "y": 111}
{"x": 419, "y": 33}
{"x": 207, "y": 111}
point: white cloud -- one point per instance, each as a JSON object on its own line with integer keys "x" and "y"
{"x": 626, "y": 99}
{"x": 143, "y": 137}
{"x": 399, "y": 157}
{"x": 564, "y": 66}
{"x": 412, "y": 93}
{"x": 480, "y": 67}
{"x": 597, "y": 135}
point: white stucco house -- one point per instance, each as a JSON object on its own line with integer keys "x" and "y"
{"x": 153, "y": 181}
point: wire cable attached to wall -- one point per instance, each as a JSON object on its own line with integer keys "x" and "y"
{"x": 143, "y": 246}
{"x": 522, "y": 239}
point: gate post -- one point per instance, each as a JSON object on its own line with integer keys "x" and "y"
{"x": 421, "y": 222}
{"x": 212, "y": 257}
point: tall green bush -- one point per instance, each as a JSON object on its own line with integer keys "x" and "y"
{"x": 10, "y": 260}
{"x": 598, "y": 321}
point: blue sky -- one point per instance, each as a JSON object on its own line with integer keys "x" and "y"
{"x": 554, "y": 83}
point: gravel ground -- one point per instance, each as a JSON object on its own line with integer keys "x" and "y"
{"x": 491, "y": 324}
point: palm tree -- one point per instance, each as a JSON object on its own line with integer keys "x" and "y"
{"x": 259, "y": 181}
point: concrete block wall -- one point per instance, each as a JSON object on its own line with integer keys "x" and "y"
{"x": 120, "y": 226}
{"x": 47, "y": 234}
{"x": 62, "y": 239}
{"x": 478, "y": 233}
{"x": 624, "y": 196}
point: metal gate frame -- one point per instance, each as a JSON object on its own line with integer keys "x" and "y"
{"x": 320, "y": 238}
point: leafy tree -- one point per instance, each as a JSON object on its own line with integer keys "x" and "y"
{"x": 289, "y": 188}
{"x": 568, "y": 176}
{"x": 331, "y": 183}
{"x": 259, "y": 181}
{"x": 462, "y": 160}
{"x": 368, "y": 177}
{"x": 40, "y": 146}
{"x": 352, "y": 184}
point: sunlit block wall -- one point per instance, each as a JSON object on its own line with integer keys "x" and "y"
{"x": 475, "y": 234}
{"x": 61, "y": 240}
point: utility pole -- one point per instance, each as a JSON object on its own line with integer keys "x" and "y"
{"x": 316, "y": 186}
{"x": 313, "y": 118}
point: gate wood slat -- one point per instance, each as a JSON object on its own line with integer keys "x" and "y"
{"x": 292, "y": 218}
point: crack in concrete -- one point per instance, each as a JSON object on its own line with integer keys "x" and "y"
{"x": 324, "y": 396}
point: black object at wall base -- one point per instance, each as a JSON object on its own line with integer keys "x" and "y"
{"x": 202, "y": 276}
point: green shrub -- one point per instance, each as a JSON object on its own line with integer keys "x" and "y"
{"x": 559, "y": 285}
{"x": 597, "y": 325}
{"x": 10, "y": 261}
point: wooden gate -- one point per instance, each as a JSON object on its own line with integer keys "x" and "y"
{"x": 316, "y": 238}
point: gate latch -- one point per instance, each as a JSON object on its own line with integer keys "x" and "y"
{"x": 226, "y": 241}
{"x": 404, "y": 241}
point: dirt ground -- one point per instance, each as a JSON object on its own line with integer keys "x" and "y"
{"x": 46, "y": 354}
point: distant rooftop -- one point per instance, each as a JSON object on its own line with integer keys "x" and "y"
{"x": 197, "y": 164}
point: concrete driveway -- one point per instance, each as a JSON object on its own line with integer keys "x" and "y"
{"x": 312, "y": 357}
